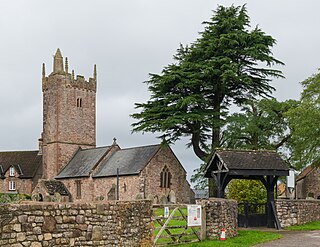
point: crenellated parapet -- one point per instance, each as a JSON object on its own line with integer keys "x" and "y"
{"x": 69, "y": 79}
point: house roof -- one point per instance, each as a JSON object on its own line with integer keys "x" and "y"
{"x": 199, "y": 194}
{"x": 83, "y": 162}
{"x": 281, "y": 189}
{"x": 129, "y": 161}
{"x": 26, "y": 163}
{"x": 305, "y": 172}
{"x": 246, "y": 160}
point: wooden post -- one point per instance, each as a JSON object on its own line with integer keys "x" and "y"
{"x": 203, "y": 230}
{"x": 270, "y": 198}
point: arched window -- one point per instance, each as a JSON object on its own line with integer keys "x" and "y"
{"x": 165, "y": 178}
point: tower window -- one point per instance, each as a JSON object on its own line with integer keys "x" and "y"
{"x": 78, "y": 188}
{"x": 79, "y": 102}
{"x": 165, "y": 178}
{"x": 12, "y": 185}
{"x": 11, "y": 171}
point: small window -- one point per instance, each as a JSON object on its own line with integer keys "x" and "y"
{"x": 79, "y": 102}
{"x": 165, "y": 178}
{"x": 11, "y": 171}
{"x": 78, "y": 188}
{"x": 12, "y": 185}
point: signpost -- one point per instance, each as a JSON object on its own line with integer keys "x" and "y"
{"x": 194, "y": 215}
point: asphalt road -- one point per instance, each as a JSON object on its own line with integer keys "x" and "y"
{"x": 292, "y": 238}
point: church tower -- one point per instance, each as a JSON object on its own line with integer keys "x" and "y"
{"x": 69, "y": 115}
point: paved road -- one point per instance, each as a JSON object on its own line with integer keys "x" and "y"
{"x": 292, "y": 238}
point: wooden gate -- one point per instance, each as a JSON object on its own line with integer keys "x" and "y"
{"x": 171, "y": 225}
{"x": 252, "y": 214}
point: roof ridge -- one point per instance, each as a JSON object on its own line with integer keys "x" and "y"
{"x": 20, "y": 151}
{"x": 153, "y": 145}
{"x": 245, "y": 150}
{"x": 95, "y": 148}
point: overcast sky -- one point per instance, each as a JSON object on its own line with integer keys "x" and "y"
{"x": 127, "y": 40}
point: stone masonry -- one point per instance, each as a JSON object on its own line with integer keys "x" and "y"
{"x": 309, "y": 186}
{"x": 69, "y": 115}
{"x": 220, "y": 213}
{"x": 297, "y": 212}
{"x": 87, "y": 224}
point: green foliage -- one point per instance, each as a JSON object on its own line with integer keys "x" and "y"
{"x": 10, "y": 198}
{"x": 251, "y": 191}
{"x": 198, "y": 179}
{"x": 260, "y": 125}
{"x": 304, "y": 121}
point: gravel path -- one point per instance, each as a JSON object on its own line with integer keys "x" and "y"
{"x": 295, "y": 238}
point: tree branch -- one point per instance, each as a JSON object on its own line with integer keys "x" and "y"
{"x": 195, "y": 140}
{"x": 283, "y": 141}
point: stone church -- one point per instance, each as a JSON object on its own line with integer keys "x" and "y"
{"x": 68, "y": 166}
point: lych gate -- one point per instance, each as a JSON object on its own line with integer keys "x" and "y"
{"x": 265, "y": 166}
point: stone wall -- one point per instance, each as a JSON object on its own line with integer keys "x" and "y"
{"x": 309, "y": 186}
{"x": 88, "y": 224}
{"x": 220, "y": 213}
{"x": 297, "y": 212}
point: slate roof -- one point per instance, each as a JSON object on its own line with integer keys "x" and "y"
{"x": 248, "y": 160}
{"x": 26, "y": 163}
{"x": 200, "y": 194}
{"x": 83, "y": 162}
{"x": 129, "y": 161}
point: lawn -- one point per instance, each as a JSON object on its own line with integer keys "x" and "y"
{"x": 315, "y": 225}
{"x": 245, "y": 239}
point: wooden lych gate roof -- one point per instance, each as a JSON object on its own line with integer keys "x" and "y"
{"x": 246, "y": 163}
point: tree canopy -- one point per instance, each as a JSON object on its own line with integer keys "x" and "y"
{"x": 304, "y": 121}
{"x": 260, "y": 124}
{"x": 227, "y": 64}
{"x": 252, "y": 191}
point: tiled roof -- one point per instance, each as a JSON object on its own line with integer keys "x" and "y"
{"x": 129, "y": 161}
{"x": 252, "y": 159}
{"x": 83, "y": 162}
{"x": 305, "y": 172}
{"x": 26, "y": 163}
{"x": 247, "y": 160}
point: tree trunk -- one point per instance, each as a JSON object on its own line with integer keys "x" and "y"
{"x": 213, "y": 188}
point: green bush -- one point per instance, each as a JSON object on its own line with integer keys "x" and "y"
{"x": 9, "y": 198}
{"x": 252, "y": 191}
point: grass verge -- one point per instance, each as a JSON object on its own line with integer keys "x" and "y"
{"x": 315, "y": 225}
{"x": 244, "y": 239}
